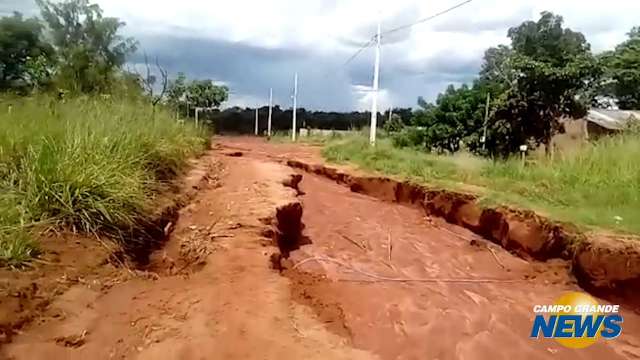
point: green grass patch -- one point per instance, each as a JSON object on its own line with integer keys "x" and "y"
{"x": 597, "y": 187}
{"x": 91, "y": 164}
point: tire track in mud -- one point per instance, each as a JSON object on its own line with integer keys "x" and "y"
{"x": 424, "y": 319}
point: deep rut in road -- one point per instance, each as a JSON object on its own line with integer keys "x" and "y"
{"x": 404, "y": 285}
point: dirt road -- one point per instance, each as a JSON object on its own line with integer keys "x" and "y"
{"x": 340, "y": 297}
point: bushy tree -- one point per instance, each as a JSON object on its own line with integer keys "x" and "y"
{"x": 198, "y": 93}
{"x": 540, "y": 78}
{"x": 204, "y": 93}
{"x": 553, "y": 67}
{"x": 622, "y": 70}
{"x": 455, "y": 119}
{"x": 24, "y": 55}
{"x": 90, "y": 49}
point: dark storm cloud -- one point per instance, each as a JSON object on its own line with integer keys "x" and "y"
{"x": 251, "y": 71}
{"x": 325, "y": 83}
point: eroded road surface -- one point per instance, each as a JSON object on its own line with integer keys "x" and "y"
{"x": 343, "y": 295}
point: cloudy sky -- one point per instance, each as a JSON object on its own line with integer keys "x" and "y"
{"x": 252, "y": 45}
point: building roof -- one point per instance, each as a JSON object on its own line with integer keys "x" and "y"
{"x": 613, "y": 119}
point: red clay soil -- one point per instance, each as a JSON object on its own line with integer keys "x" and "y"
{"x": 366, "y": 278}
{"x": 609, "y": 265}
{"x": 70, "y": 260}
{"x": 466, "y": 298}
{"x": 210, "y": 292}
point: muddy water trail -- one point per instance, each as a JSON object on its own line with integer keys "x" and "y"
{"x": 487, "y": 316}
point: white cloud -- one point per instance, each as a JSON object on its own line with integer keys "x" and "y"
{"x": 328, "y": 29}
{"x": 322, "y": 26}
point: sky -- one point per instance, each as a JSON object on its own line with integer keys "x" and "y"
{"x": 254, "y": 45}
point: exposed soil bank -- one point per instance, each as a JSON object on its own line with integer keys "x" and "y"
{"x": 69, "y": 259}
{"x": 599, "y": 263}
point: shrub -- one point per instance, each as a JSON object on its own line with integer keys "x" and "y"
{"x": 91, "y": 164}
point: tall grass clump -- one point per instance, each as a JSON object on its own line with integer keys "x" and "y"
{"x": 598, "y": 186}
{"x": 94, "y": 165}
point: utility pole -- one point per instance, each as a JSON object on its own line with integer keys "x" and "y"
{"x": 256, "y": 130}
{"x": 486, "y": 121}
{"x": 197, "y": 110}
{"x": 390, "y": 112}
{"x": 270, "y": 112}
{"x": 295, "y": 103}
{"x": 376, "y": 80}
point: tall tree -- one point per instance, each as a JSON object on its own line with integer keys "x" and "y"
{"x": 553, "y": 67}
{"x": 22, "y": 51}
{"x": 90, "y": 49}
{"x": 622, "y": 68}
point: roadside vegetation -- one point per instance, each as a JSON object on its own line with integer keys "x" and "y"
{"x": 470, "y": 138}
{"x": 88, "y": 144}
{"x": 90, "y": 165}
{"x": 598, "y": 186}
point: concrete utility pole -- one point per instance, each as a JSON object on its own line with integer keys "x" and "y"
{"x": 295, "y": 103}
{"x": 256, "y": 130}
{"x": 270, "y": 112}
{"x": 376, "y": 80}
{"x": 197, "y": 111}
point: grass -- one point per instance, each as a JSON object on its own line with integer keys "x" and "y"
{"x": 597, "y": 187}
{"x": 315, "y": 138}
{"x": 94, "y": 165}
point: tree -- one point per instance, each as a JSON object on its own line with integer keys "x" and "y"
{"x": 90, "y": 50}
{"x": 540, "y": 78}
{"x": 149, "y": 80}
{"x": 177, "y": 90}
{"x": 497, "y": 69}
{"x": 195, "y": 93}
{"x": 24, "y": 56}
{"x": 622, "y": 72}
{"x": 204, "y": 93}
{"x": 456, "y": 118}
{"x": 553, "y": 67}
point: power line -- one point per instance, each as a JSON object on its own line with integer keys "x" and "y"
{"x": 427, "y": 18}
{"x": 373, "y": 39}
{"x": 360, "y": 50}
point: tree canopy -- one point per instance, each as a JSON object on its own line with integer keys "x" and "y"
{"x": 540, "y": 78}
{"x": 23, "y": 52}
{"x": 90, "y": 49}
{"x": 197, "y": 93}
{"x": 622, "y": 72}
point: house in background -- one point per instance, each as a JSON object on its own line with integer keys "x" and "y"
{"x": 599, "y": 122}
